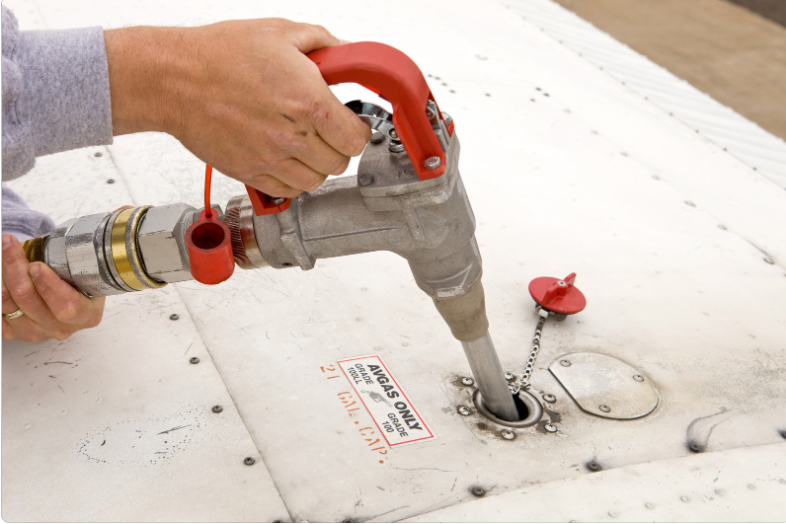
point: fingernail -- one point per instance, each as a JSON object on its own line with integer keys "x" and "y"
{"x": 6, "y": 241}
{"x": 34, "y": 271}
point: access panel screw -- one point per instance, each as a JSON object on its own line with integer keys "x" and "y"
{"x": 507, "y": 434}
{"x": 194, "y": 360}
{"x": 174, "y": 316}
{"x": 478, "y": 491}
{"x": 467, "y": 381}
{"x": 565, "y": 363}
{"x": 551, "y": 428}
{"x": 638, "y": 378}
{"x": 217, "y": 409}
{"x": 249, "y": 461}
{"x": 548, "y": 397}
{"x": 604, "y": 408}
{"x": 464, "y": 411}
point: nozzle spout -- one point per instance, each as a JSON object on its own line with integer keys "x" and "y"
{"x": 488, "y": 374}
{"x": 466, "y": 317}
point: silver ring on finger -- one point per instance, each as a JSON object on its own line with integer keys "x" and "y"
{"x": 16, "y": 314}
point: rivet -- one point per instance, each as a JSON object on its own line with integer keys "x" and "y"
{"x": 365, "y": 179}
{"x": 751, "y": 486}
{"x": 604, "y": 408}
{"x": 110, "y": 180}
{"x": 507, "y": 434}
{"x": 377, "y": 137}
{"x": 249, "y": 461}
{"x": 468, "y": 381}
{"x": 565, "y": 363}
{"x": 174, "y": 316}
{"x": 684, "y": 498}
{"x": 432, "y": 162}
{"x": 194, "y": 360}
{"x": 98, "y": 154}
{"x": 551, "y": 428}
{"x": 613, "y": 514}
{"x": 594, "y": 466}
{"x": 464, "y": 411}
{"x": 478, "y": 491}
{"x": 649, "y": 505}
{"x": 638, "y": 378}
{"x": 217, "y": 409}
{"x": 509, "y": 376}
{"x": 695, "y": 448}
{"x": 548, "y": 397}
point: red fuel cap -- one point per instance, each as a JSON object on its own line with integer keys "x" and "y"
{"x": 210, "y": 249}
{"x": 559, "y": 296}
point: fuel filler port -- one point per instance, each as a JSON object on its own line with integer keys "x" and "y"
{"x": 529, "y": 410}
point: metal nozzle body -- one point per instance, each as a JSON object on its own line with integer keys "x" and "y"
{"x": 385, "y": 208}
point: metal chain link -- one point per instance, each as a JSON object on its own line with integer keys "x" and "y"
{"x": 523, "y": 383}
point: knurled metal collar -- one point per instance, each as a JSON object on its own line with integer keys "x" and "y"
{"x": 239, "y": 216}
{"x": 123, "y": 252}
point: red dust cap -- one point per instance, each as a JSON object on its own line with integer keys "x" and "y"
{"x": 559, "y": 296}
{"x": 210, "y": 249}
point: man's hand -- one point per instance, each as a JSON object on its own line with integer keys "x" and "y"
{"x": 51, "y": 307}
{"x": 241, "y": 95}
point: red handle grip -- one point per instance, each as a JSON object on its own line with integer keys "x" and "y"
{"x": 395, "y": 77}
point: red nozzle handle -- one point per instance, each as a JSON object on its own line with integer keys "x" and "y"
{"x": 395, "y": 77}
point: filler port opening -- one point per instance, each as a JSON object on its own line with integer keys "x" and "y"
{"x": 529, "y": 409}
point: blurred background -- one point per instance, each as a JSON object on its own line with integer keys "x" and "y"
{"x": 733, "y": 50}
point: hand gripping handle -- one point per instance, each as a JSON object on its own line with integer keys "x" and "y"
{"x": 395, "y": 77}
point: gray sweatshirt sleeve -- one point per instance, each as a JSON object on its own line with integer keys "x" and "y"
{"x": 55, "y": 93}
{"x": 55, "y": 98}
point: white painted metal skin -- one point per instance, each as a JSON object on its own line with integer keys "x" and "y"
{"x": 567, "y": 170}
{"x": 700, "y": 112}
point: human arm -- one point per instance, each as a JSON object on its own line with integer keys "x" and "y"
{"x": 241, "y": 95}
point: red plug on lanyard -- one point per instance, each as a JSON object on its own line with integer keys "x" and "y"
{"x": 210, "y": 244}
